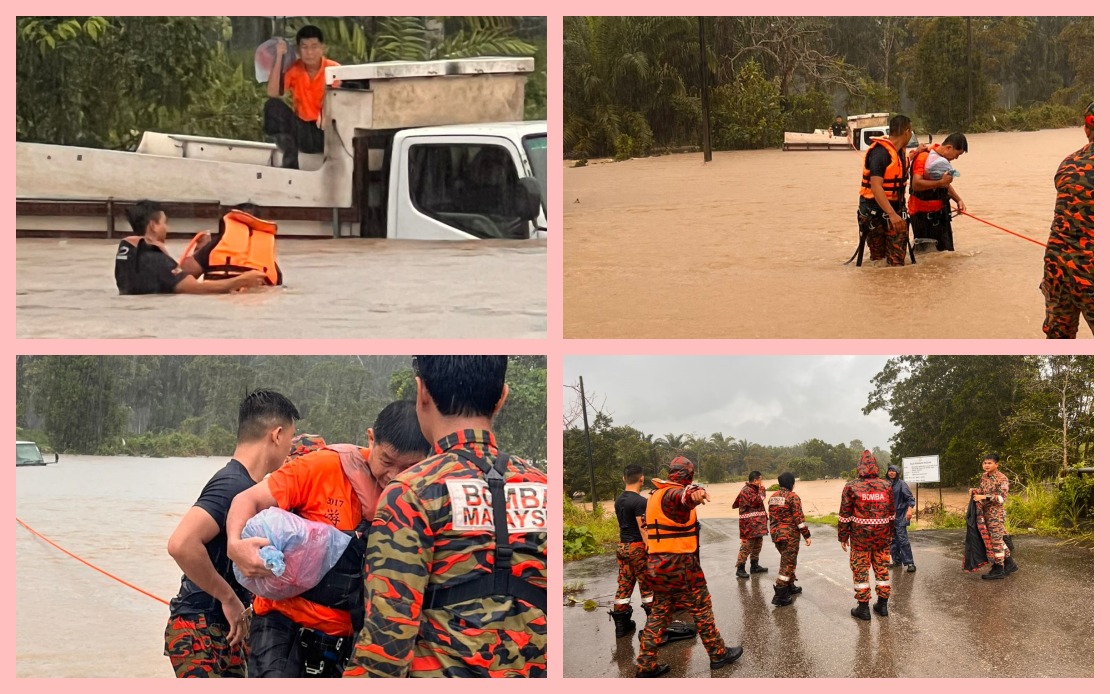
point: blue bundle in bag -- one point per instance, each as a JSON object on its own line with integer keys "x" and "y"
{"x": 299, "y": 554}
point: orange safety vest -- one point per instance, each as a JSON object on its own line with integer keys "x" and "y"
{"x": 247, "y": 243}
{"x": 894, "y": 178}
{"x": 932, "y": 200}
{"x": 664, "y": 536}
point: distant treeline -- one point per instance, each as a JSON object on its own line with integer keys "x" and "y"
{"x": 632, "y": 84}
{"x": 188, "y": 405}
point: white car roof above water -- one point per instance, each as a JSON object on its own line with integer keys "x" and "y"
{"x": 507, "y": 129}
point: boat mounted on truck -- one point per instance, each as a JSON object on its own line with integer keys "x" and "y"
{"x": 429, "y": 150}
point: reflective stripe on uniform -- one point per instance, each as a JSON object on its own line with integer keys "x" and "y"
{"x": 867, "y": 521}
{"x": 622, "y": 601}
{"x": 861, "y": 586}
{"x": 801, "y": 526}
{"x": 783, "y": 578}
{"x": 752, "y": 514}
{"x": 882, "y": 583}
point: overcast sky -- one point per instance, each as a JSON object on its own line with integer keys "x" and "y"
{"x": 774, "y": 401}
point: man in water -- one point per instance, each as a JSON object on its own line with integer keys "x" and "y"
{"x": 144, "y": 266}
{"x": 208, "y": 620}
{"x": 1069, "y": 261}
{"x": 929, "y": 206}
{"x": 882, "y": 194}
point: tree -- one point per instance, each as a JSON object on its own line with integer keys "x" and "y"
{"x": 78, "y": 400}
{"x": 940, "y": 78}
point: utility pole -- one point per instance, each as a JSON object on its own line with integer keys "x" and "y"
{"x": 706, "y": 145}
{"x": 969, "y": 96}
{"x": 589, "y": 449}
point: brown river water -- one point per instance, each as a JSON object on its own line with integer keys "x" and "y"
{"x": 752, "y": 245}
{"x": 116, "y": 513}
{"x": 343, "y": 288}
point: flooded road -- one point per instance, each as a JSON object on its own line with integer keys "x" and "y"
{"x": 117, "y": 513}
{"x": 1038, "y": 622}
{"x": 752, "y": 245}
{"x": 343, "y": 288}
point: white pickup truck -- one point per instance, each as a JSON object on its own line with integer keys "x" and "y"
{"x": 432, "y": 150}
{"x": 862, "y": 130}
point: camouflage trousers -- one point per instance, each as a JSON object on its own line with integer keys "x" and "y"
{"x": 695, "y": 601}
{"x": 749, "y": 548}
{"x": 1063, "y": 303}
{"x": 882, "y": 240}
{"x": 199, "y": 649}
{"x": 631, "y": 570}
{"x": 998, "y": 550}
{"x": 788, "y": 559}
{"x": 862, "y": 562}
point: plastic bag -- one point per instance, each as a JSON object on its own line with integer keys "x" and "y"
{"x": 299, "y": 554}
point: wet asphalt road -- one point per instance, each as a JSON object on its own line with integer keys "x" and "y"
{"x": 1038, "y": 622}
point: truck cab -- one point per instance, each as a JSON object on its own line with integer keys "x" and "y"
{"x": 27, "y": 453}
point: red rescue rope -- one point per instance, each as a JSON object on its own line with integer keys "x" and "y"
{"x": 91, "y": 566}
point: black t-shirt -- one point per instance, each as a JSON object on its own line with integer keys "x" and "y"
{"x": 216, "y": 500}
{"x": 145, "y": 269}
{"x": 839, "y": 129}
{"x": 629, "y": 507}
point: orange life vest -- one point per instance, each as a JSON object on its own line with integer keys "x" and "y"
{"x": 247, "y": 243}
{"x": 894, "y": 178}
{"x": 664, "y": 536}
{"x": 931, "y": 200}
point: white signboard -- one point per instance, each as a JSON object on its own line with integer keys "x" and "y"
{"x": 922, "y": 468}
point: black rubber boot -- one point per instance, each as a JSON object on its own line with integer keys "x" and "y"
{"x": 894, "y": 565}
{"x": 731, "y": 656}
{"x": 782, "y": 596}
{"x": 880, "y": 607}
{"x": 678, "y": 631}
{"x": 862, "y": 611}
{"x": 996, "y": 573}
{"x": 657, "y": 671}
{"x": 625, "y": 625}
{"x": 794, "y": 590}
{"x": 740, "y": 573}
{"x": 756, "y": 568}
{"x": 910, "y": 569}
{"x": 1010, "y": 566}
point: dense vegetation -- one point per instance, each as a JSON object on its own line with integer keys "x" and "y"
{"x": 188, "y": 405}
{"x": 632, "y": 84}
{"x": 103, "y": 81}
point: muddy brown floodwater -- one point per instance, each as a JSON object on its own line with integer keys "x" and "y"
{"x": 335, "y": 288}
{"x": 752, "y": 245}
{"x": 116, "y": 513}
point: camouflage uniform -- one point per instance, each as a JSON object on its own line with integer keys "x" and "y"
{"x": 435, "y": 532}
{"x": 866, "y": 519}
{"x": 631, "y": 570}
{"x": 676, "y": 578}
{"x": 1069, "y": 260}
{"x": 197, "y": 648}
{"x": 996, "y": 486}
{"x": 753, "y": 522}
{"x": 788, "y": 526}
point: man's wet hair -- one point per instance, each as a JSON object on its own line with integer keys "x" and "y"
{"x": 754, "y": 475}
{"x": 957, "y": 140}
{"x": 633, "y": 473}
{"x": 310, "y": 31}
{"x": 899, "y": 125}
{"x": 248, "y": 207}
{"x": 397, "y": 426}
{"x": 142, "y": 213}
{"x": 463, "y": 385}
{"x": 261, "y": 412}
{"x": 991, "y": 456}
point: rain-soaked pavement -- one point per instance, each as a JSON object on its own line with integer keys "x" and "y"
{"x": 1038, "y": 622}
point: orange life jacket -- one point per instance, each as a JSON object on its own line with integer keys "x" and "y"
{"x": 931, "y": 200}
{"x": 894, "y": 178}
{"x": 247, "y": 243}
{"x": 664, "y": 536}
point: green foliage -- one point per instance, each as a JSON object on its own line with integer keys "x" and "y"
{"x": 827, "y": 519}
{"x": 941, "y": 77}
{"x": 578, "y": 542}
{"x": 807, "y": 111}
{"x": 188, "y": 405}
{"x": 1035, "y": 117}
{"x": 774, "y": 487}
{"x": 587, "y": 533}
{"x": 746, "y": 113}
{"x": 1074, "y": 505}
